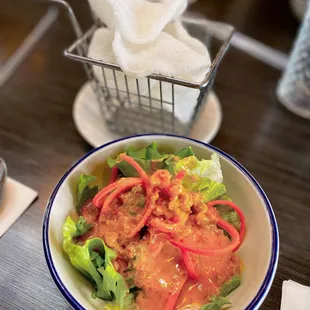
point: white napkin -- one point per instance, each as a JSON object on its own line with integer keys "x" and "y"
{"x": 101, "y": 48}
{"x": 295, "y": 296}
{"x": 138, "y": 21}
{"x": 147, "y": 38}
{"x": 16, "y": 199}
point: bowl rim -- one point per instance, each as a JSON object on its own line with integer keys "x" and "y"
{"x": 266, "y": 284}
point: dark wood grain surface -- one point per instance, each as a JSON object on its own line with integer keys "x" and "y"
{"x": 39, "y": 141}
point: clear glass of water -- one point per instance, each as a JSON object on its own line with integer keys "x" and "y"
{"x": 293, "y": 89}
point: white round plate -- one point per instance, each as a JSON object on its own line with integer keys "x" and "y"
{"x": 92, "y": 127}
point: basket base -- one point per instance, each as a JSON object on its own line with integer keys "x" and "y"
{"x": 129, "y": 119}
{"x": 91, "y": 126}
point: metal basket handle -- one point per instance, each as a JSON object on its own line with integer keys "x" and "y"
{"x": 72, "y": 16}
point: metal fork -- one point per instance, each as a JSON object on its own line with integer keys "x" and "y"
{"x": 3, "y": 174}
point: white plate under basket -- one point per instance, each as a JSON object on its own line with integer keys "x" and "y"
{"x": 92, "y": 127}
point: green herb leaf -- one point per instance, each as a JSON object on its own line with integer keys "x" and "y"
{"x": 82, "y": 227}
{"x": 85, "y": 190}
{"x": 231, "y": 285}
{"x": 216, "y": 303}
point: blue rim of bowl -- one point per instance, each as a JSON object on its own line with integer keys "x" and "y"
{"x": 265, "y": 287}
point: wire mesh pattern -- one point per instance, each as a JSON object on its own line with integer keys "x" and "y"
{"x": 130, "y": 112}
{"x": 130, "y": 106}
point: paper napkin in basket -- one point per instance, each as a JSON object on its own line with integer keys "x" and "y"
{"x": 145, "y": 37}
{"x": 17, "y": 198}
{"x": 295, "y": 296}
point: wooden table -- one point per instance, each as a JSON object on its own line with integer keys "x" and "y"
{"x": 39, "y": 141}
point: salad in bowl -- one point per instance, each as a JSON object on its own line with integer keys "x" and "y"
{"x": 162, "y": 231}
{"x": 152, "y": 227}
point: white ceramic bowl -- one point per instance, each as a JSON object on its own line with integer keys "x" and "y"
{"x": 259, "y": 251}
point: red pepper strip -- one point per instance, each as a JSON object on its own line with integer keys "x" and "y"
{"x": 192, "y": 273}
{"x": 212, "y": 252}
{"x": 99, "y": 198}
{"x": 146, "y": 181}
{"x": 180, "y": 175}
{"x": 133, "y": 163}
{"x": 121, "y": 188}
{"x": 113, "y": 175}
{"x": 239, "y": 212}
{"x": 173, "y": 298}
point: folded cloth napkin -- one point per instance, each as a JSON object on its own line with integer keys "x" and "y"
{"x": 295, "y": 296}
{"x": 143, "y": 38}
{"x": 16, "y": 199}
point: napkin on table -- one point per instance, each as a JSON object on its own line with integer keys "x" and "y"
{"x": 295, "y": 296}
{"x": 17, "y": 197}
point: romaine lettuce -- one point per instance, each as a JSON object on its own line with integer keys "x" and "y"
{"x": 188, "y": 151}
{"x": 148, "y": 158}
{"x": 82, "y": 227}
{"x": 205, "y": 168}
{"x": 144, "y": 157}
{"x": 85, "y": 190}
{"x": 216, "y": 303}
{"x": 228, "y": 214}
{"x": 230, "y": 285}
{"x": 94, "y": 260}
{"x": 204, "y": 176}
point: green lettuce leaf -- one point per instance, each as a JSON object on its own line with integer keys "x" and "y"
{"x": 94, "y": 260}
{"x": 230, "y": 285}
{"x": 85, "y": 190}
{"x": 204, "y": 176}
{"x": 126, "y": 169}
{"x": 128, "y": 304}
{"x": 228, "y": 214}
{"x": 82, "y": 227}
{"x": 186, "y": 152}
{"x": 216, "y": 303}
{"x": 139, "y": 154}
{"x": 205, "y": 168}
{"x": 144, "y": 157}
{"x": 153, "y": 153}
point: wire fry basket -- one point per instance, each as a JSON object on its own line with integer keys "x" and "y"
{"x": 134, "y": 108}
